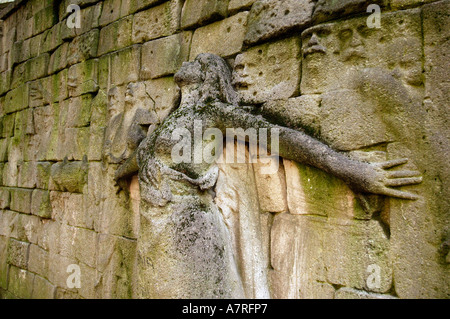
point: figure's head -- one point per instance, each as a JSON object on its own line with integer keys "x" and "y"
{"x": 210, "y": 76}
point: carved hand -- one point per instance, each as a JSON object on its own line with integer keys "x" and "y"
{"x": 379, "y": 180}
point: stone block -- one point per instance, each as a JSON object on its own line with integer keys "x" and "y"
{"x": 164, "y": 56}
{"x": 5, "y": 198}
{"x": 37, "y": 67}
{"x": 402, "y": 4}
{"x": 27, "y": 228}
{"x": 310, "y": 191}
{"x": 20, "y": 282}
{"x": 125, "y": 65}
{"x": 85, "y": 246}
{"x": 224, "y": 38}
{"x": 138, "y": 5}
{"x": 236, "y": 5}
{"x": 82, "y": 78}
{"x": 3, "y": 264}
{"x": 50, "y": 39}
{"x": 200, "y": 12}
{"x": 21, "y": 200}
{"x": 46, "y": 139}
{"x": 58, "y": 59}
{"x": 268, "y": 72}
{"x": 49, "y": 237}
{"x": 83, "y": 47}
{"x": 38, "y": 260}
{"x": 57, "y": 270}
{"x": 16, "y": 99}
{"x": 8, "y": 125}
{"x": 89, "y": 18}
{"x": 297, "y": 254}
{"x": 112, "y": 10}
{"x": 40, "y": 203}
{"x": 18, "y": 253}
{"x": 70, "y": 176}
{"x": 165, "y": 93}
{"x": 271, "y": 184}
{"x": 77, "y": 111}
{"x": 115, "y": 36}
{"x": 272, "y": 18}
{"x": 43, "y": 289}
{"x": 27, "y": 175}
{"x": 156, "y": 22}
{"x": 44, "y": 19}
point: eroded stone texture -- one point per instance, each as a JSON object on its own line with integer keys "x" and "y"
{"x": 223, "y": 38}
{"x": 272, "y": 18}
{"x": 328, "y": 9}
{"x": 333, "y": 53}
{"x": 164, "y": 57}
{"x": 268, "y": 72}
{"x": 198, "y": 12}
{"x": 156, "y": 22}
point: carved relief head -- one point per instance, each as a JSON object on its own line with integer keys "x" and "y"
{"x": 209, "y": 77}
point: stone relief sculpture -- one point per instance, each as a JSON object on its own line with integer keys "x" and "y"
{"x": 130, "y": 121}
{"x": 184, "y": 246}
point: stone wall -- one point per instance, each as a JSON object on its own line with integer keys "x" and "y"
{"x": 70, "y": 96}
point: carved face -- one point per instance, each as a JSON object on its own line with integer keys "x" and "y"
{"x": 315, "y": 40}
{"x": 189, "y": 73}
{"x": 113, "y": 101}
{"x": 135, "y": 95}
{"x": 352, "y": 43}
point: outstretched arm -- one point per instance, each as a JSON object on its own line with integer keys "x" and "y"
{"x": 297, "y": 146}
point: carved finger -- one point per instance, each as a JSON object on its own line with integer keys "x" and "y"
{"x": 400, "y": 194}
{"x": 403, "y": 181}
{"x": 394, "y": 163}
{"x": 402, "y": 174}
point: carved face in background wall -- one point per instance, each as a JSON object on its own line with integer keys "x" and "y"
{"x": 333, "y": 52}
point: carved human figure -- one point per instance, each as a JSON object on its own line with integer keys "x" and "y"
{"x": 184, "y": 246}
{"x": 129, "y": 124}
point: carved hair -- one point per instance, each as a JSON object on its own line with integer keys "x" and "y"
{"x": 217, "y": 85}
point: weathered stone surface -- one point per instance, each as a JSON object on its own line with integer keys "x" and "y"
{"x": 16, "y": 99}
{"x": 115, "y": 36}
{"x": 272, "y": 18}
{"x": 44, "y": 19}
{"x": 83, "y": 47}
{"x": 70, "y": 176}
{"x": 20, "y": 282}
{"x": 237, "y": 200}
{"x": 125, "y": 65}
{"x": 199, "y": 12}
{"x": 42, "y": 289}
{"x": 142, "y": 4}
{"x": 5, "y": 198}
{"x": 21, "y": 200}
{"x": 40, "y": 203}
{"x": 58, "y": 59}
{"x": 402, "y": 4}
{"x": 113, "y": 10}
{"x": 164, "y": 56}
{"x": 301, "y": 113}
{"x": 83, "y": 78}
{"x": 328, "y": 9}
{"x": 18, "y": 253}
{"x": 235, "y": 5}
{"x": 165, "y": 94}
{"x": 268, "y": 72}
{"x": 350, "y": 293}
{"x": 224, "y": 38}
{"x": 38, "y": 260}
{"x": 156, "y": 22}
{"x": 334, "y": 53}
{"x": 271, "y": 184}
